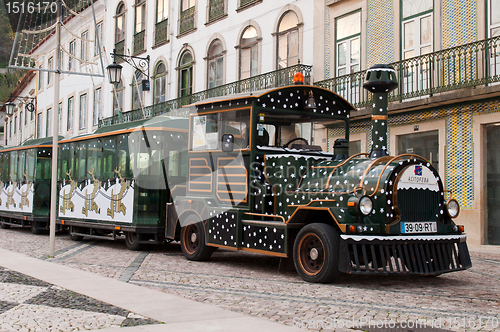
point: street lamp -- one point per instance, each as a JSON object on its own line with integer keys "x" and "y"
{"x": 9, "y": 106}
{"x": 139, "y": 63}
{"x": 114, "y": 73}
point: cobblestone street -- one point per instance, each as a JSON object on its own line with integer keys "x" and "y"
{"x": 251, "y": 284}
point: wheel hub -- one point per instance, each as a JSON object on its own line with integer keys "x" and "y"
{"x": 194, "y": 237}
{"x": 314, "y": 254}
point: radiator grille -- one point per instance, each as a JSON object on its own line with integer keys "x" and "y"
{"x": 418, "y": 204}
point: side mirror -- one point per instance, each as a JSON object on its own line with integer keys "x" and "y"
{"x": 227, "y": 143}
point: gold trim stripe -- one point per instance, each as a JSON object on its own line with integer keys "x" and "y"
{"x": 379, "y": 117}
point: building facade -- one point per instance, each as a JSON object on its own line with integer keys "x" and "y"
{"x": 446, "y": 108}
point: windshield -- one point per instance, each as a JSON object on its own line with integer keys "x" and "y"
{"x": 293, "y": 131}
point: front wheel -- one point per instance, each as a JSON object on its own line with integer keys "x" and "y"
{"x": 193, "y": 243}
{"x": 4, "y": 226}
{"x": 316, "y": 253}
{"x": 132, "y": 241}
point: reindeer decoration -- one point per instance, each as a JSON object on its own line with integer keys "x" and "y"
{"x": 90, "y": 204}
{"x": 10, "y": 195}
{"x": 24, "y": 194}
{"x": 116, "y": 200}
{"x": 67, "y": 204}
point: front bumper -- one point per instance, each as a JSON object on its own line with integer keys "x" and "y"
{"x": 411, "y": 254}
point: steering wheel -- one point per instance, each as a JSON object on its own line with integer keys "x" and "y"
{"x": 293, "y": 140}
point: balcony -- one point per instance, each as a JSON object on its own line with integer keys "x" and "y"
{"x": 120, "y": 49}
{"x": 467, "y": 65}
{"x": 274, "y": 79}
{"x": 187, "y": 20}
{"x": 161, "y": 32}
{"x": 216, "y": 10}
{"x": 139, "y": 39}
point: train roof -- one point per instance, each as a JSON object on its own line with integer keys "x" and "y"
{"x": 333, "y": 103}
{"x": 41, "y": 141}
{"x": 158, "y": 121}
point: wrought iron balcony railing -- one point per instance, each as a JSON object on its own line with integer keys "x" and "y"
{"x": 467, "y": 65}
{"x": 139, "y": 42}
{"x": 120, "y": 49}
{"x": 161, "y": 32}
{"x": 269, "y": 80}
{"x": 216, "y": 9}
{"x": 246, "y": 2}
{"x": 187, "y": 20}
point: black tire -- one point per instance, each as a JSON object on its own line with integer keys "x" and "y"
{"x": 34, "y": 229}
{"x": 4, "y": 226}
{"x": 132, "y": 241}
{"x": 193, "y": 242}
{"x": 72, "y": 236}
{"x": 316, "y": 253}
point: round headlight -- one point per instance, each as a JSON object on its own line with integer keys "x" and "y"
{"x": 365, "y": 205}
{"x": 452, "y": 208}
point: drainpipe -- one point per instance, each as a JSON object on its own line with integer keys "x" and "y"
{"x": 380, "y": 80}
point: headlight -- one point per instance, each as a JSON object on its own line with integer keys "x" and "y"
{"x": 365, "y": 205}
{"x": 452, "y": 208}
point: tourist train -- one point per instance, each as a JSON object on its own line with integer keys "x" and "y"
{"x": 241, "y": 173}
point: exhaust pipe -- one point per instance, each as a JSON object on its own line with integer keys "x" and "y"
{"x": 380, "y": 80}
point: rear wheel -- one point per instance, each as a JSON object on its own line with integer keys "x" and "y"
{"x": 73, "y": 236}
{"x": 4, "y": 226}
{"x": 132, "y": 241}
{"x": 193, "y": 242}
{"x": 316, "y": 253}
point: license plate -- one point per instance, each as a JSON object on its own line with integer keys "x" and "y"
{"x": 419, "y": 227}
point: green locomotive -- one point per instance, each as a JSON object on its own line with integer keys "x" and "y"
{"x": 256, "y": 183}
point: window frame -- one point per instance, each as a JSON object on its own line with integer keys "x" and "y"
{"x": 183, "y": 68}
{"x": 71, "y": 109}
{"x": 253, "y": 48}
{"x": 82, "y": 118}
{"x": 218, "y": 61}
{"x": 288, "y": 33}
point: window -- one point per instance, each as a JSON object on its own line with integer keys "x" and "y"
{"x": 494, "y": 31}
{"x": 60, "y": 60}
{"x": 60, "y": 118}
{"x": 15, "y": 124}
{"x": 48, "y": 132}
{"x": 161, "y": 10}
{"x": 248, "y": 53}
{"x": 425, "y": 144}
{"x": 26, "y": 118}
{"x": 160, "y": 83}
{"x": 118, "y": 98}
{"x": 20, "y": 120}
{"x": 215, "y": 64}
{"x": 216, "y": 9}
{"x": 186, "y": 4}
{"x": 72, "y": 52}
{"x": 97, "y": 106}
{"x": 137, "y": 94}
{"x": 98, "y": 39}
{"x": 417, "y": 29}
{"x": 186, "y": 74}
{"x": 70, "y": 113}
{"x": 347, "y": 37}
{"x": 39, "y": 125}
{"x": 40, "y": 78}
{"x": 83, "y": 111}
{"x": 84, "y": 46}
{"x": 347, "y": 41}
{"x": 140, "y": 15}
{"x": 120, "y": 29}
{"x": 49, "y": 66}
{"x": 288, "y": 41}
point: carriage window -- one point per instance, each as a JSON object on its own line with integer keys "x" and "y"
{"x": 177, "y": 155}
{"x": 5, "y": 167}
{"x": 13, "y": 166}
{"x": 94, "y": 159}
{"x": 209, "y": 128}
{"x": 30, "y": 165}
{"x": 21, "y": 166}
{"x": 80, "y": 162}
{"x": 43, "y": 165}
{"x": 124, "y": 157}
{"x": 109, "y": 158}
{"x": 64, "y": 161}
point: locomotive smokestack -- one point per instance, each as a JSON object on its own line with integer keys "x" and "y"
{"x": 380, "y": 80}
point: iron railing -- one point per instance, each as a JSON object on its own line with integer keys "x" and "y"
{"x": 269, "y": 80}
{"x": 216, "y": 9}
{"x": 246, "y": 2}
{"x": 161, "y": 32}
{"x": 120, "y": 49}
{"x": 187, "y": 20}
{"x": 139, "y": 39}
{"x": 467, "y": 65}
